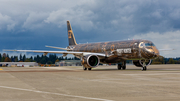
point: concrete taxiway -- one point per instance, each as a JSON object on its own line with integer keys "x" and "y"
{"x": 104, "y": 83}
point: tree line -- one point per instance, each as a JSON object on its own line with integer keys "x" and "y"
{"x": 163, "y": 60}
{"x": 52, "y": 58}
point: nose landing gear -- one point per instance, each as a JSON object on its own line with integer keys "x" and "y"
{"x": 144, "y": 68}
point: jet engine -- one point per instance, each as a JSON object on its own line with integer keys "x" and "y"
{"x": 139, "y": 63}
{"x": 90, "y": 61}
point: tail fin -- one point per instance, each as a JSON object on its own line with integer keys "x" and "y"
{"x": 72, "y": 40}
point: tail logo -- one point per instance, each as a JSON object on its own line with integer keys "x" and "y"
{"x": 69, "y": 34}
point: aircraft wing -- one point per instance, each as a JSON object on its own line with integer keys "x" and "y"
{"x": 57, "y": 47}
{"x": 78, "y": 54}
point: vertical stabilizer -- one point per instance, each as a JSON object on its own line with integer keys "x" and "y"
{"x": 72, "y": 40}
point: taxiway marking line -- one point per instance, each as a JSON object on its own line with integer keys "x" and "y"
{"x": 37, "y": 91}
{"x": 1, "y": 69}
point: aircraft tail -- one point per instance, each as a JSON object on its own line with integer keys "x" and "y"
{"x": 72, "y": 40}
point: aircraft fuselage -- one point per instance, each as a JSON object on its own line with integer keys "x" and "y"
{"x": 118, "y": 51}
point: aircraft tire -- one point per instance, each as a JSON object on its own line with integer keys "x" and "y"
{"x": 123, "y": 67}
{"x": 144, "y": 68}
{"x": 119, "y": 66}
{"x": 84, "y": 68}
{"x": 89, "y": 68}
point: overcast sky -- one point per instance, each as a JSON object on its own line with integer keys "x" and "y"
{"x": 32, "y": 24}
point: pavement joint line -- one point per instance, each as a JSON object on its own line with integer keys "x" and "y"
{"x": 37, "y": 91}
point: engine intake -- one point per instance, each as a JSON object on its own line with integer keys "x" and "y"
{"x": 90, "y": 61}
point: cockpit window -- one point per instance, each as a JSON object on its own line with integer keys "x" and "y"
{"x": 141, "y": 44}
{"x": 149, "y": 44}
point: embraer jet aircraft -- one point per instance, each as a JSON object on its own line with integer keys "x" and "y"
{"x": 91, "y": 54}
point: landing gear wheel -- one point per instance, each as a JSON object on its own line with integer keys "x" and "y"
{"x": 89, "y": 68}
{"x": 84, "y": 68}
{"x": 143, "y": 68}
{"x": 119, "y": 66}
{"x": 123, "y": 67}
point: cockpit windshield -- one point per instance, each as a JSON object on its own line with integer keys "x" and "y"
{"x": 149, "y": 44}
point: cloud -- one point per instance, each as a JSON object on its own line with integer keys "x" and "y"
{"x": 36, "y": 14}
{"x": 92, "y": 21}
{"x": 167, "y": 40}
{"x": 123, "y": 16}
{"x": 6, "y": 22}
{"x": 35, "y": 20}
{"x": 175, "y": 14}
{"x": 80, "y": 17}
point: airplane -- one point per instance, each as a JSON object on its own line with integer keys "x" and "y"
{"x": 141, "y": 52}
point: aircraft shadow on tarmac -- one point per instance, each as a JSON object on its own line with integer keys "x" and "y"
{"x": 113, "y": 70}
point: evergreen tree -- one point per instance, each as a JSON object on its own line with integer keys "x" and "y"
{"x": 0, "y": 57}
{"x": 75, "y": 58}
{"x": 28, "y": 60}
{"x": 49, "y": 62}
{"x": 24, "y": 58}
{"x": 7, "y": 55}
{"x": 43, "y": 59}
{"x": 12, "y": 58}
{"x": 37, "y": 59}
{"x": 61, "y": 58}
{"x": 20, "y": 57}
{"x": 171, "y": 61}
{"x": 15, "y": 58}
{"x": 31, "y": 59}
{"x": 159, "y": 60}
{"x": 65, "y": 58}
{"x": 178, "y": 62}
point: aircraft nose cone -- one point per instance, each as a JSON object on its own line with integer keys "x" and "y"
{"x": 156, "y": 51}
{"x": 156, "y": 54}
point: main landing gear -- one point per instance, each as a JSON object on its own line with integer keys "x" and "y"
{"x": 84, "y": 68}
{"x": 122, "y": 66}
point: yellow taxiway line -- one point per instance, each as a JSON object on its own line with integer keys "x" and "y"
{"x": 1, "y": 69}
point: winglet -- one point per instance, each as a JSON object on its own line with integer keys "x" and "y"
{"x": 72, "y": 40}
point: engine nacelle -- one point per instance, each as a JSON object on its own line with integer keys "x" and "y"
{"x": 90, "y": 61}
{"x": 139, "y": 63}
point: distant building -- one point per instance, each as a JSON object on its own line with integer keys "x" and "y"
{"x": 68, "y": 63}
{"x": 18, "y": 64}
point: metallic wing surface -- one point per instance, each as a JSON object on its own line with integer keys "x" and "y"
{"x": 58, "y": 48}
{"x": 80, "y": 54}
